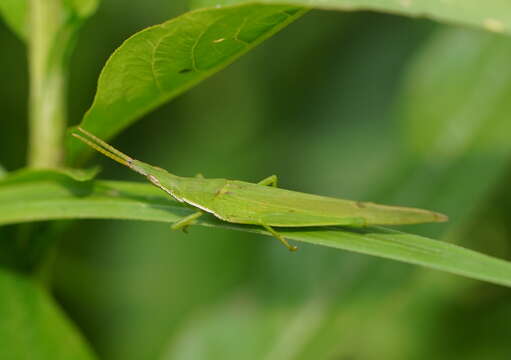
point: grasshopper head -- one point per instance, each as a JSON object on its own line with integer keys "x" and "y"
{"x": 147, "y": 170}
{"x": 159, "y": 177}
{"x": 139, "y": 167}
{"x": 155, "y": 174}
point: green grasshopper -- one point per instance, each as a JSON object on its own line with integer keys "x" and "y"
{"x": 262, "y": 203}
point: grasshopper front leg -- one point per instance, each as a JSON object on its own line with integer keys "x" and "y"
{"x": 186, "y": 221}
{"x": 280, "y": 238}
{"x": 270, "y": 181}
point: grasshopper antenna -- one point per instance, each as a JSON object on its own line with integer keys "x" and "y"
{"x": 103, "y": 147}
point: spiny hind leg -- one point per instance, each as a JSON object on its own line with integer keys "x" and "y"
{"x": 183, "y": 223}
{"x": 270, "y": 181}
{"x": 280, "y": 238}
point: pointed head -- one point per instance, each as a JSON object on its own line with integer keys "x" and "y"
{"x": 147, "y": 170}
{"x": 158, "y": 176}
{"x": 114, "y": 154}
{"x": 139, "y": 167}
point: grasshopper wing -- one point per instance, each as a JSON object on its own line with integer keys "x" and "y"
{"x": 249, "y": 203}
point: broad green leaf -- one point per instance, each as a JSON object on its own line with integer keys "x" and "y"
{"x": 32, "y": 326}
{"x": 165, "y": 60}
{"x": 492, "y": 15}
{"x": 14, "y": 12}
{"x": 56, "y": 196}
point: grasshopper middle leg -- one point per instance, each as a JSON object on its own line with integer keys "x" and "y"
{"x": 280, "y": 238}
{"x": 186, "y": 221}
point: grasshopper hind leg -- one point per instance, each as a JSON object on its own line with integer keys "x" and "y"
{"x": 280, "y": 238}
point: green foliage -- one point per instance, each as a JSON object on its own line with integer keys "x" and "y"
{"x": 362, "y": 106}
{"x": 47, "y": 195}
{"x": 474, "y": 103}
{"x": 459, "y": 129}
{"x": 33, "y": 326}
{"x": 36, "y": 196}
{"x": 161, "y": 62}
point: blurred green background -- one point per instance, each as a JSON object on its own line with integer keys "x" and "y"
{"x": 355, "y": 105}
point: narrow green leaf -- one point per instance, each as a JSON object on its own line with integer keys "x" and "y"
{"x": 165, "y": 60}
{"x": 27, "y": 174}
{"x": 32, "y": 325}
{"x": 48, "y": 195}
{"x": 492, "y": 15}
{"x": 56, "y": 196}
{"x": 14, "y": 12}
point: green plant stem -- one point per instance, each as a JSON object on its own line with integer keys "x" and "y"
{"x": 47, "y": 44}
{"x": 53, "y": 27}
